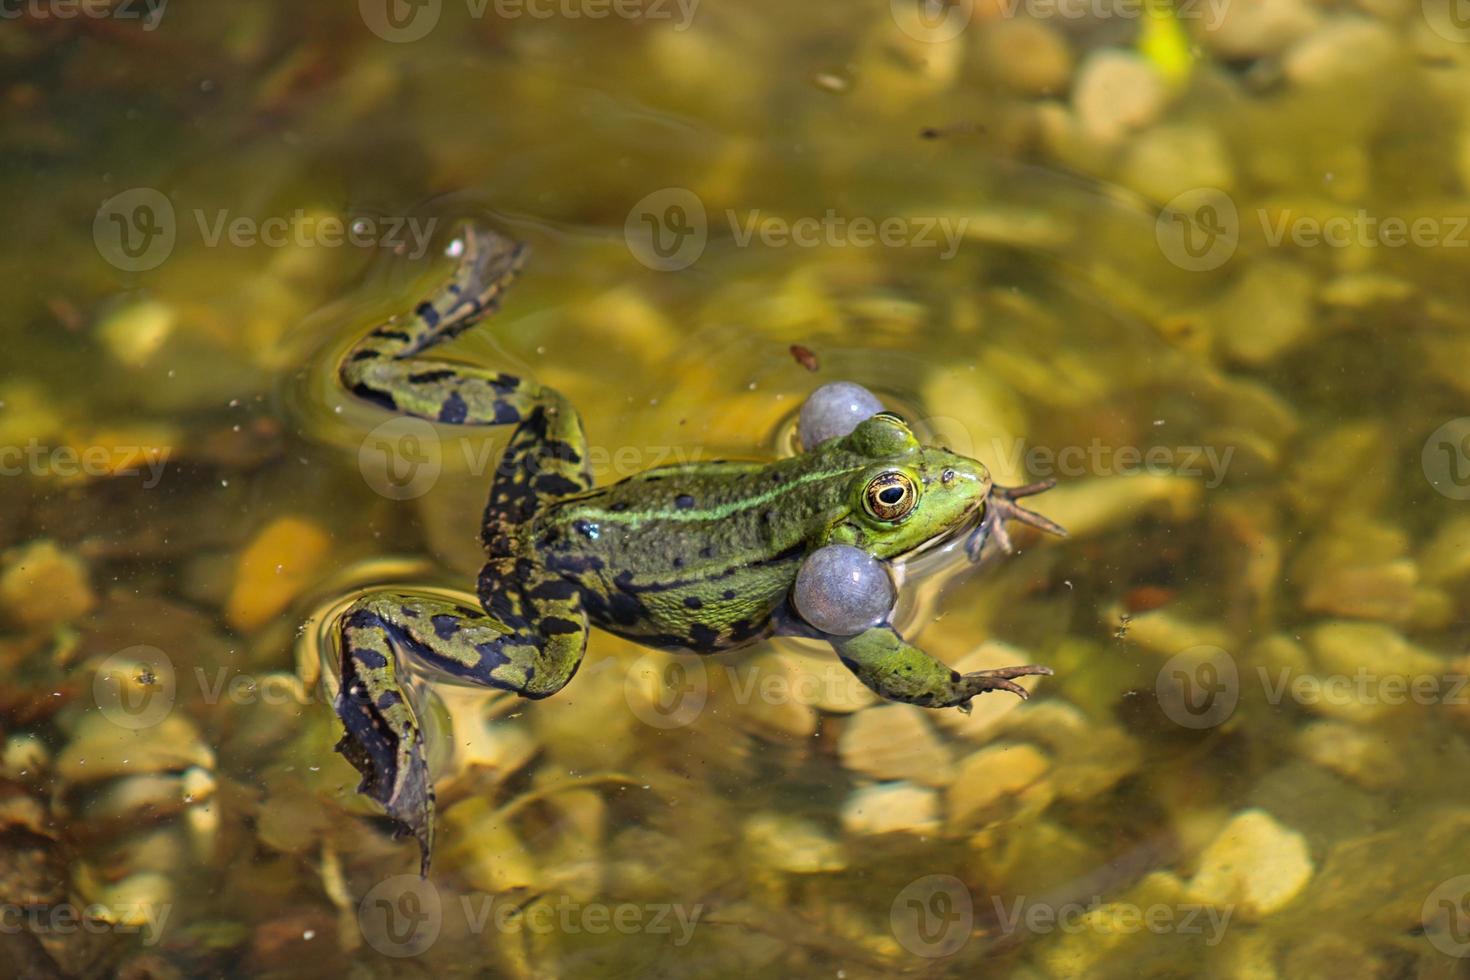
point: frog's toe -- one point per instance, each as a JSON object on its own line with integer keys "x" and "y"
{"x": 394, "y": 773}
{"x": 1002, "y": 507}
{"x": 999, "y": 679}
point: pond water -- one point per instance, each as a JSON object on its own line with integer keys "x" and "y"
{"x": 1202, "y": 264}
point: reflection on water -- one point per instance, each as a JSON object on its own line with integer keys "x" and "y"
{"x": 1203, "y": 266}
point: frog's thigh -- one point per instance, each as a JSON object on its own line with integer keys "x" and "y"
{"x": 545, "y": 459}
{"x": 899, "y": 671}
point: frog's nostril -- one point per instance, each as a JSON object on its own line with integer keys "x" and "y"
{"x": 947, "y": 476}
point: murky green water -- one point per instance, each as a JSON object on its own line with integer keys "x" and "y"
{"x": 1207, "y": 270}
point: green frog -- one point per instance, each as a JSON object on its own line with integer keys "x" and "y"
{"x": 696, "y": 557}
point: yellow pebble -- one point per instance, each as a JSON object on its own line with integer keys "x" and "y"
{"x": 283, "y": 559}
{"x": 41, "y": 585}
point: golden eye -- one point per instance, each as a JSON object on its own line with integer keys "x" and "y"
{"x": 890, "y": 496}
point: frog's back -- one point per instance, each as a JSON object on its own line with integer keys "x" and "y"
{"x": 696, "y": 556}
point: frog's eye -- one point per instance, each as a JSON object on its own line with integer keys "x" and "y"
{"x": 890, "y": 496}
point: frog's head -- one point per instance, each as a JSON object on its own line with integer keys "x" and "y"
{"x": 904, "y": 496}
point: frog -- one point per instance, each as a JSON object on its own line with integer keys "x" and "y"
{"x": 694, "y": 556}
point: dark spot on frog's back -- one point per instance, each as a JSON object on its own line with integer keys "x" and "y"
{"x": 624, "y": 608}
{"x": 372, "y": 659}
{"x": 693, "y": 602}
{"x": 574, "y": 564}
{"x": 703, "y": 637}
{"x": 743, "y": 629}
{"x": 380, "y": 398}
{"x": 454, "y": 410}
{"x": 445, "y": 626}
{"x": 556, "y": 589}
{"x": 684, "y": 501}
{"x": 618, "y": 506}
{"x": 556, "y": 484}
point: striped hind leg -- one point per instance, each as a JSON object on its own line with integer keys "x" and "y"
{"x": 547, "y": 454}
{"x": 389, "y": 366}
{"x": 533, "y": 649}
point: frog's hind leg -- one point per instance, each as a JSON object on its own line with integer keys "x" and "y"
{"x": 899, "y": 671}
{"x": 533, "y": 653}
{"x": 390, "y": 366}
{"x": 547, "y": 455}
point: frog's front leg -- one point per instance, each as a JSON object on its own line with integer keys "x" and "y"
{"x": 380, "y": 633}
{"x": 899, "y": 671}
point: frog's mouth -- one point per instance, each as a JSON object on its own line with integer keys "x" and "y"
{"x": 968, "y": 526}
{"x": 987, "y": 518}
